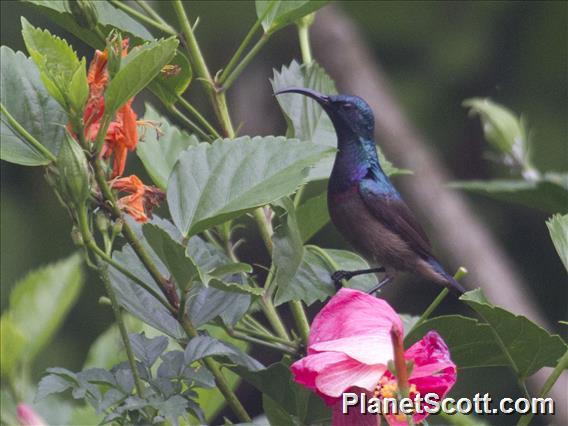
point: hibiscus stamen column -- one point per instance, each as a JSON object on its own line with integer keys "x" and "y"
{"x": 400, "y": 366}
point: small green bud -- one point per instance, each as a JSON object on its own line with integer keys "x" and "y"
{"x": 114, "y": 49}
{"x": 77, "y": 237}
{"x": 102, "y": 221}
{"x": 73, "y": 172}
{"x": 84, "y": 12}
{"x": 117, "y": 228}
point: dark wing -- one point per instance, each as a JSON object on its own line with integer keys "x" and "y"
{"x": 393, "y": 213}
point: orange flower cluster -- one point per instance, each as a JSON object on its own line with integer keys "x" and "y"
{"x": 121, "y": 137}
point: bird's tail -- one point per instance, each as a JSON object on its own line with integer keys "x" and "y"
{"x": 451, "y": 283}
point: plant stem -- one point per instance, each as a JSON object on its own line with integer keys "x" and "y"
{"x": 246, "y": 338}
{"x": 237, "y": 55}
{"x": 558, "y": 370}
{"x": 28, "y": 137}
{"x": 301, "y": 320}
{"x": 101, "y": 134}
{"x": 143, "y": 18}
{"x": 266, "y": 336}
{"x": 151, "y": 12}
{"x": 191, "y": 109}
{"x": 304, "y": 36}
{"x": 264, "y": 227}
{"x": 461, "y": 272}
{"x": 230, "y": 79}
{"x": 220, "y": 380}
{"x": 274, "y": 318}
{"x": 190, "y": 124}
{"x": 103, "y": 272}
{"x": 167, "y": 288}
{"x": 218, "y": 99}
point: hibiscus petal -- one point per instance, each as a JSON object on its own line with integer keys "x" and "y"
{"x": 374, "y": 349}
{"x": 352, "y": 313}
{"x": 332, "y": 373}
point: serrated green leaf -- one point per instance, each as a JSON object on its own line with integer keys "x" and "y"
{"x": 283, "y": 13}
{"x": 24, "y": 96}
{"x": 233, "y": 287}
{"x": 173, "y": 255}
{"x": 12, "y": 345}
{"x": 56, "y": 60}
{"x": 49, "y": 292}
{"x": 166, "y": 86}
{"x": 550, "y": 193}
{"x": 212, "y": 183}
{"x": 205, "y": 346}
{"x": 159, "y": 151}
{"x": 312, "y": 216}
{"x": 109, "y": 17}
{"x": 527, "y": 345}
{"x": 147, "y": 350}
{"x": 312, "y": 280}
{"x": 51, "y": 384}
{"x": 138, "y": 301}
{"x": 139, "y": 68}
{"x": 558, "y": 228}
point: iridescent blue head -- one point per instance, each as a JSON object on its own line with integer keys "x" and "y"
{"x": 350, "y": 115}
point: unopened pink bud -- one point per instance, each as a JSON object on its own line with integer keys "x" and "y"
{"x": 28, "y": 417}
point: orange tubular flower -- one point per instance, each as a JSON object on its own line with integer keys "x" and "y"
{"x": 142, "y": 198}
{"x": 122, "y": 134}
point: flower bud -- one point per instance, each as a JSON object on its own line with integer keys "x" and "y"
{"x": 73, "y": 172}
{"x": 102, "y": 221}
{"x": 27, "y": 416}
{"x": 117, "y": 228}
{"x": 84, "y": 12}
{"x": 77, "y": 237}
{"x": 114, "y": 49}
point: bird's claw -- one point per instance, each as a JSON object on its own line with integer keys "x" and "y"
{"x": 338, "y": 276}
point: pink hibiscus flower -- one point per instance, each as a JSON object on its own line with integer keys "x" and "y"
{"x": 349, "y": 348}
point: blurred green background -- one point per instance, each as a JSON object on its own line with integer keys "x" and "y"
{"x": 436, "y": 54}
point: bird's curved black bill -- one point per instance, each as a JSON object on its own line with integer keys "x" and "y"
{"x": 319, "y": 97}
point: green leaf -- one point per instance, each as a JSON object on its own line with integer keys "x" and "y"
{"x": 550, "y": 193}
{"x": 109, "y": 17}
{"x": 172, "y": 254}
{"x": 283, "y": 13}
{"x": 312, "y": 280}
{"x": 288, "y": 249}
{"x": 306, "y": 119}
{"x": 528, "y": 346}
{"x": 12, "y": 347}
{"x": 138, "y": 301}
{"x": 211, "y": 184}
{"x": 204, "y": 346}
{"x": 167, "y": 87}
{"x": 108, "y": 350}
{"x": 231, "y": 268}
{"x": 558, "y": 228}
{"x": 139, "y": 68}
{"x": 501, "y": 127}
{"x": 78, "y": 87}
{"x": 160, "y": 151}
{"x": 147, "y": 350}
{"x": 51, "y": 384}
{"x": 24, "y": 96}
{"x": 233, "y": 287}
{"x": 276, "y": 383}
{"x": 276, "y": 414}
{"x": 312, "y": 216}
{"x": 49, "y": 293}
{"x": 56, "y": 60}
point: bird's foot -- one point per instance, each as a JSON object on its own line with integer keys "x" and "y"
{"x": 380, "y": 285}
{"x": 339, "y": 276}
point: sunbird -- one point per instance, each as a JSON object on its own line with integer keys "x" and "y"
{"x": 363, "y": 203}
